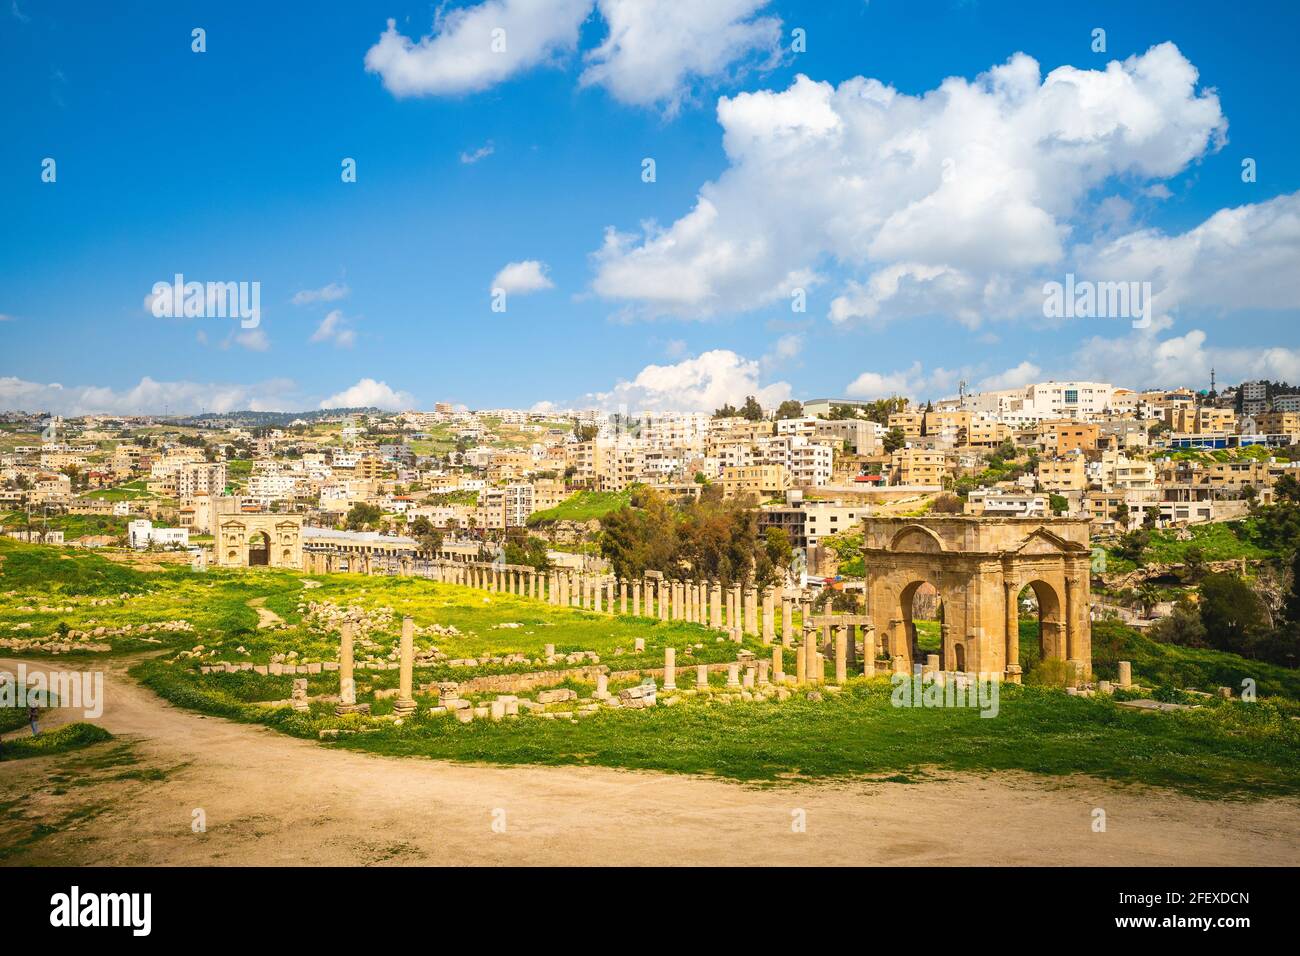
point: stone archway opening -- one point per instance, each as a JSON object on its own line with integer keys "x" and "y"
{"x": 921, "y": 610}
{"x": 259, "y": 549}
{"x": 1041, "y": 623}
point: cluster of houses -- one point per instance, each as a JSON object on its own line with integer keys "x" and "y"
{"x": 1084, "y": 449}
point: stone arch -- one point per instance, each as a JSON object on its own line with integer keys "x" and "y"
{"x": 979, "y": 566}
{"x": 916, "y": 537}
{"x": 1051, "y": 615}
{"x": 259, "y": 549}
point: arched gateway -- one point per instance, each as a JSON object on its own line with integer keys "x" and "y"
{"x": 979, "y": 567}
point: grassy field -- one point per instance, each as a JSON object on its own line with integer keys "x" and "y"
{"x": 68, "y": 737}
{"x": 1223, "y": 749}
{"x": 583, "y": 506}
{"x": 1221, "y": 541}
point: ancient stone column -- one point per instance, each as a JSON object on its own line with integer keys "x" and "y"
{"x": 622, "y": 596}
{"x": 347, "y": 682}
{"x": 636, "y": 598}
{"x": 868, "y": 651}
{"x": 689, "y": 600}
{"x": 810, "y": 653}
{"x": 787, "y": 621}
{"x": 733, "y": 607}
{"x": 841, "y": 654}
{"x": 800, "y": 666}
{"x": 733, "y": 675}
{"x": 701, "y": 676}
{"x": 597, "y": 593}
{"x": 602, "y": 686}
{"x": 763, "y": 670}
{"x": 670, "y": 668}
{"x": 769, "y": 617}
{"x": 404, "y": 706}
{"x": 1125, "y": 674}
{"x": 662, "y": 594}
{"x": 751, "y": 610}
{"x": 778, "y": 664}
{"x": 715, "y": 606}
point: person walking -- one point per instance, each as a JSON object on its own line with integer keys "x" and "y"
{"x": 34, "y": 712}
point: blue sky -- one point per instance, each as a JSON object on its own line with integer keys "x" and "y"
{"x": 225, "y": 166}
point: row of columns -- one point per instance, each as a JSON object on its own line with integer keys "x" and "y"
{"x": 738, "y": 610}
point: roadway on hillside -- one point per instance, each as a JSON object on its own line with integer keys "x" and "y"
{"x": 271, "y": 799}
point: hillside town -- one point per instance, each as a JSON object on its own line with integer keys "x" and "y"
{"x": 455, "y": 483}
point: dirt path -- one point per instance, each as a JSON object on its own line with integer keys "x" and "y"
{"x": 271, "y": 799}
{"x": 265, "y": 616}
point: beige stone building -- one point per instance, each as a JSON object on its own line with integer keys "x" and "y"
{"x": 761, "y": 481}
{"x": 1063, "y": 475}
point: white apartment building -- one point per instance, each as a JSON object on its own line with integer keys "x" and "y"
{"x": 141, "y": 533}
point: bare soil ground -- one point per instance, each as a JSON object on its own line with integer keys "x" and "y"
{"x": 274, "y": 800}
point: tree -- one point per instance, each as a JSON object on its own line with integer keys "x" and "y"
{"x": 751, "y": 411}
{"x": 788, "y": 409}
{"x": 585, "y": 433}
{"x": 1183, "y": 627}
{"x": 1132, "y": 545}
{"x": 1120, "y": 514}
{"x": 1234, "y": 616}
{"x": 429, "y": 537}
{"x": 1058, "y": 503}
{"x": 946, "y": 504}
{"x": 894, "y": 440}
{"x": 726, "y": 411}
{"x": 362, "y": 516}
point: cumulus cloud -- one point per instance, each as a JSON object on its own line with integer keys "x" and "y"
{"x": 700, "y": 384}
{"x": 654, "y": 53}
{"x": 367, "y": 393}
{"x": 945, "y": 199}
{"x": 1150, "y": 358}
{"x": 147, "y": 397}
{"x": 1022, "y": 374}
{"x": 1246, "y": 257}
{"x": 334, "y": 328}
{"x": 473, "y": 48}
{"x": 521, "y": 278}
{"x": 329, "y": 293}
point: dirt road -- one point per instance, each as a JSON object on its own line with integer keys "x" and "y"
{"x": 271, "y": 799}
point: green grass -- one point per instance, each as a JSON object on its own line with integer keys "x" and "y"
{"x": 583, "y": 506}
{"x": 72, "y": 526}
{"x": 1221, "y": 541}
{"x": 68, "y": 737}
{"x": 1225, "y": 750}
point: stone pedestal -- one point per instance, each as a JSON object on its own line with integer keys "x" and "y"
{"x": 778, "y": 664}
{"x": 701, "y": 676}
{"x": 733, "y": 675}
{"x": 670, "y": 668}
{"x": 1125, "y": 674}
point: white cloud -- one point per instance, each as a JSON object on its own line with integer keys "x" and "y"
{"x": 367, "y": 393}
{"x": 330, "y": 293}
{"x": 1143, "y": 358}
{"x": 334, "y": 328}
{"x": 147, "y": 397}
{"x": 1246, "y": 257}
{"x": 254, "y": 340}
{"x": 470, "y": 157}
{"x": 521, "y": 278}
{"x": 700, "y": 384}
{"x": 873, "y": 385}
{"x": 940, "y": 202}
{"x": 654, "y": 52}
{"x": 459, "y": 56}
{"x": 1022, "y": 374}
{"x": 6, "y": 318}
